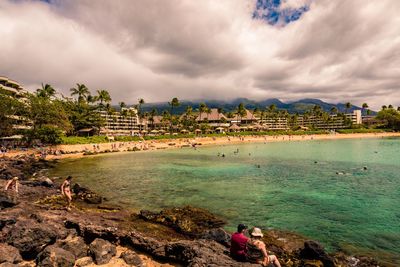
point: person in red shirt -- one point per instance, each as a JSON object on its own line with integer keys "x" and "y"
{"x": 238, "y": 243}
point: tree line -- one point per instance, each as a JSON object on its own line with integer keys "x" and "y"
{"x": 52, "y": 115}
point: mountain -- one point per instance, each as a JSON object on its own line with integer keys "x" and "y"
{"x": 299, "y": 106}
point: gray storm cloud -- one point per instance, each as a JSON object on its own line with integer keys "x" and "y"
{"x": 337, "y": 51}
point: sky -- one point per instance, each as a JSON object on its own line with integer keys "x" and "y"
{"x": 336, "y": 51}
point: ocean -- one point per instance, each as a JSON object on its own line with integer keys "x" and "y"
{"x": 343, "y": 193}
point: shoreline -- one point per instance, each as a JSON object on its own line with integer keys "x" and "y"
{"x": 80, "y": 150}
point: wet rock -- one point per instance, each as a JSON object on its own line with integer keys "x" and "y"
{"x": 55, "y": 256}
{"x": 86, "y": 195}
{"x": 76, "y": 245}
{"x": 43, "y": 181}
{"x": 312, "y": 263}
{"x": 187, "y": 220}
{"x": 30, "y": 237}
{"x": 9, "y": 254}
{"x": 314, "y": 251}
{"x": 132, "y": 258}
{"x": 85, "y": 261}
{"x": 219, "y": 235}
{"x": 102, "y": 251}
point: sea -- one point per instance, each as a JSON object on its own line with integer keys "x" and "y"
{"x": 343, "y": 193}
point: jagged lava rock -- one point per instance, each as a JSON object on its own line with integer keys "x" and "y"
{"x": 74, "y": 244}
{"x": 314, "y": 251}
{"x": 102, "y": 251}
{"x": 132, "y": 258}
{"x": 55, "y": 256}
{"x": 9, "y": 254}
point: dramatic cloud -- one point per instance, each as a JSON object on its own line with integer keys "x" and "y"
{"x": 289, "y": 49}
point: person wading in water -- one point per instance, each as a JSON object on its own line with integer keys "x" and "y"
{"x": 66, "y": 191}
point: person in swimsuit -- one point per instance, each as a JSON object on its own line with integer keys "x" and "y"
{"x": 66, "y": 191}
{"x": 12, "y": 188}
{"x": 257, "y": 252}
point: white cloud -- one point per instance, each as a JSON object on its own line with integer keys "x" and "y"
{"x": 337, "y": 51}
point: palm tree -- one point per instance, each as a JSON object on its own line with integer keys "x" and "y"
{"x": 241, "y": 111}
{"x": 174, "y": 103}
{"x": 81, "y": 90}
{"x": 347, "y": 106}
{"x": 364, "y": 107}
{"x": 122, "y": 105}
{"x": 46, "y": 91}
{"x": 390, "y": 107}
{"x": 139, "y": 106}
{"x": 398, "y": 108}
{"x": 334, "y": 110}
{"x": 153, "y": 113}
{"x": 202, "y": 108}
{"x": 384, "y": 107}
{"x": 103, "y": 96}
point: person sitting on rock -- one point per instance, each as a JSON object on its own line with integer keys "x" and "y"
{"x": 238, "y": 243}
{"x": 12, "y": 187}
{"x": 257, "y": 252}
{"x": 66, "y": 191}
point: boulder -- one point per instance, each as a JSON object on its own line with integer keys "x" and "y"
{"x": 219, "y": 235}
{"x": 143, "y": 243}
{"x": 132, "y": 258}
{"x": 9, "y": 254}
{"x": 85, "y": 261}
{"x": 76, "y": 245}
{"x": 314, "y": 251}
{"x": 102, "y": 251}
{"x": 187, "y": 220}
{"x": 86, "y": 195}
{"x": 55, "y": 256}
{"x": 30, "y": 237}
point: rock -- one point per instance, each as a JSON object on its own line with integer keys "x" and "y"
{"x": 30, "y": 237}
{"x": 102, "y": 251}
{"x": 6, "y": 203}
{"x": 55, "y": 256}
{"x": 90, "y": 232}
{"x": 9, "y": 254}
{"x": 312, "y": 263}
{"x": 187, "y": 220}
{"x": 143, "y": 243}
{"x": 83, "y": 261}
{"x": 314, "y": 251}
{"x": 47, "y": 182}
{"x": 75, "y": 245}
{"x": 200, "y": 253}
{"x": 219, "y": 235}
{"x": 6, "y": 220}
{"x": 86, "y": 195}
{"x": 132, "y": 258}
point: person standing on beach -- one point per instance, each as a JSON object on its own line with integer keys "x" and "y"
{"x": 12, "y": 188}
{"x": 66, "y": 191}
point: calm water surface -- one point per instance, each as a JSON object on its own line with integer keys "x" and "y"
{"x": 295, "y": 187}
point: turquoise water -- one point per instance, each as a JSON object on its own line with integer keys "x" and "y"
{"x": 295, "y": 187}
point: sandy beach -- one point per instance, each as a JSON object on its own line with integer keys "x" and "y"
{"x": 76, "y": 151}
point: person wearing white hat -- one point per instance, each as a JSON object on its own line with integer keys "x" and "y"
{"x": 257, "y": 252}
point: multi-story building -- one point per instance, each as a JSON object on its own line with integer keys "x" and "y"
{"x": 14, "y": 90}
{"x": 124, "y": 123}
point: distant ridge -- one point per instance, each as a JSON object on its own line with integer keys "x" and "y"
{"x": 299, "y": 106}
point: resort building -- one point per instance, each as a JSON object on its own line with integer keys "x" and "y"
{"x": 248, "y": 118}
{"x": 214, "y": 118}
{"x": 278, "y": 123}
{"x": 124, "y": 123}
{"x": 355, "y": 117}
{"x": 14, "y": 90}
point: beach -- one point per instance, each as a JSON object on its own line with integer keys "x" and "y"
{"x": 80, "y": 150}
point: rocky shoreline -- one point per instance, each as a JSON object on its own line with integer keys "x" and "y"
{"x": 36, "y": 230}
